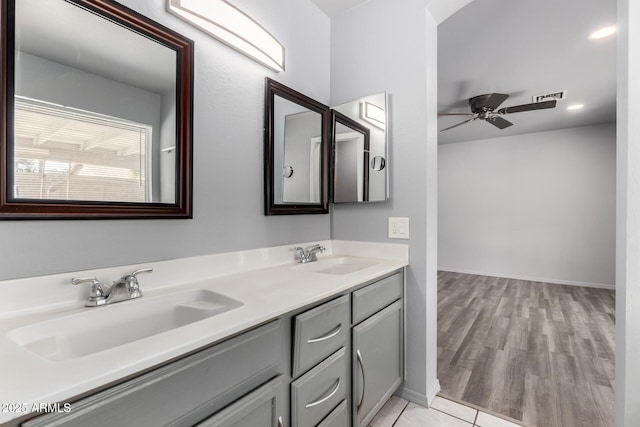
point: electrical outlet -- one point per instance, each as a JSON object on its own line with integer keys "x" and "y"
{"x": 398, "y": 228}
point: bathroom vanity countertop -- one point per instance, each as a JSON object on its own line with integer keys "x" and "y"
{"x": 266, "y": 293}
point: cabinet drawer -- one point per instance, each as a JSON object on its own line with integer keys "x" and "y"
{"x": 319, "y": 332}
{"x": 339, "y": 417}
{"x": 186, "y": 391}
{"x": 263, "y": 407}
{"x": 371, "y": 299}
{"x": 317, "y": 392}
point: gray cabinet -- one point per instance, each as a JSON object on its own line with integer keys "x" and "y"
{"x": 264, "y": 407}
{"x": 186, "y": 391}
{"x": 377, "y": 361}
{"x": 316, "y": 393}
{"x": 319, "y": 332}
{"x": 339, "y": 417}
{"x": 321, "y": 349}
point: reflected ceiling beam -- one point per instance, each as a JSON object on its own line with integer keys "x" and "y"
{"x": 233, "y": 27}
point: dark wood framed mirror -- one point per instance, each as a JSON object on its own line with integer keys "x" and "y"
{"x": 296, "y": 152}
{"x": 350, "y": 142}
{"x": 96, "y": 113}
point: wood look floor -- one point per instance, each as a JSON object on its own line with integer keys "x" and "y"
{"x": 536, "y": 352}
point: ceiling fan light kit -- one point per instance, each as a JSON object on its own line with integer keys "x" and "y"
{"x": 484, "y": 107}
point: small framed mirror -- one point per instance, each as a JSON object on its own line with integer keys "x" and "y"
{"x": 296, "y": 147}
{"x": 371, "y": 113}
{"x": 350, "y": 159}
{"x": 96, "y": 113}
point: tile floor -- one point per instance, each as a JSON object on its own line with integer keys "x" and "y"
{"x": 398, "y": 412}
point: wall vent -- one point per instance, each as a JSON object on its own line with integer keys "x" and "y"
{"x": 550, "y": 96}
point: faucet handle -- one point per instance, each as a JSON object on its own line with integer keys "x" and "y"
{"x": 142, "y": 270}
{"x": 301, "y": 256}
{"x": 131, "y": 282}
{"x": 96, "y": 296}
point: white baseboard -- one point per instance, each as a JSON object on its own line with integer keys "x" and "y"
{"x": 413, "y": 396}
{"x": 532, "y": 279}
{"x": 419, "y": 398}
{"x": 435, "y": 389}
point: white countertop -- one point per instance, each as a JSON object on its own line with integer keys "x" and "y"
{"x": 267, "y": 282}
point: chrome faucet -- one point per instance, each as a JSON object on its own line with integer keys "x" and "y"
{"x": 309, "y": 254}
{"x": 122, "y": 290}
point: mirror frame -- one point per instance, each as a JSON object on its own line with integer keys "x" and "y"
{"x": 273, "y": 88}
{"x": 12, "y": 208}
{"x": 338, "y": 117}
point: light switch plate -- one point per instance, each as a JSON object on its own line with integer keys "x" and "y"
{"x": 398, "y": 228}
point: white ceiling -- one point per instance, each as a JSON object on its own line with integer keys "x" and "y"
{"x": 526, "y": 48}
{"x": 522, "y": 48}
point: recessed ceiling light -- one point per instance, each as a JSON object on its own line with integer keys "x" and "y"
{"x": 575, "y": 107}
{"x": 603, "y": 32}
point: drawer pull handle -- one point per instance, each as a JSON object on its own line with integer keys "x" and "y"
{"x": 280, "y": 423}
{"x": 327, "y": 397}
{"x": 329, "y": 335}
{"x": 361, "y": 364}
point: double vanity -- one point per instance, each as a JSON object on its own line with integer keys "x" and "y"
{"x": 250, "y": 338}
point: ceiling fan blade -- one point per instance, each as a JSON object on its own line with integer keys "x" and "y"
{"x": 455, "y": 114}
{"x": 494, "y": 100}
{"x": 499, "y": 122}
{"x": 460, "y": 124}
{"x": 487, "y": 102}
{"x": 528, "y": 107}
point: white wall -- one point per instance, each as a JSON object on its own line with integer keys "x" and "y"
{"x": 228, "y": 159}
{"x": 538, "y": 206}
{"x": 628, "y": 218}
{"x": 383, "y": 45}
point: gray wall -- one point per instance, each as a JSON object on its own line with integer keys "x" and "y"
{"x": 539, "y": 206}
{"x": 228, "y": 161}
{"x": 383, "y": 45}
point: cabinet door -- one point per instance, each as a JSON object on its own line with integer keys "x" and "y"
{"x": 263, "y": 407}
{"x": 377, "y": 361}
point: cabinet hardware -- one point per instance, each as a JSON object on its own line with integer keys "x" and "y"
{"x": 327, "y": 397}
{"x": 361, "y": 364}
{"x": 280, "y": 423}
{"x": 329, "y": 335}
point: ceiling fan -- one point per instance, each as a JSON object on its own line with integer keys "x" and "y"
{"x": 483, "y": 107}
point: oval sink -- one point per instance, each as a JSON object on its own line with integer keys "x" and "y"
{"x": 337, "y": 265}
{"x": 102, "y": 328}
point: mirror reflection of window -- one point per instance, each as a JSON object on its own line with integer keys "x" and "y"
{"x": 116, "y": 98}
{"x": 61, "y": 153}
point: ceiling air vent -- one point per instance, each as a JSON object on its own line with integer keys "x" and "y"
{"x": 550, "y": 96}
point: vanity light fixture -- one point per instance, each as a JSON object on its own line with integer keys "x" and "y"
{"x": 233, "y": 27}
{"x": 372, "y": 114}
{"x": 603, "y": 32}
{"x": 575, "y": 107}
